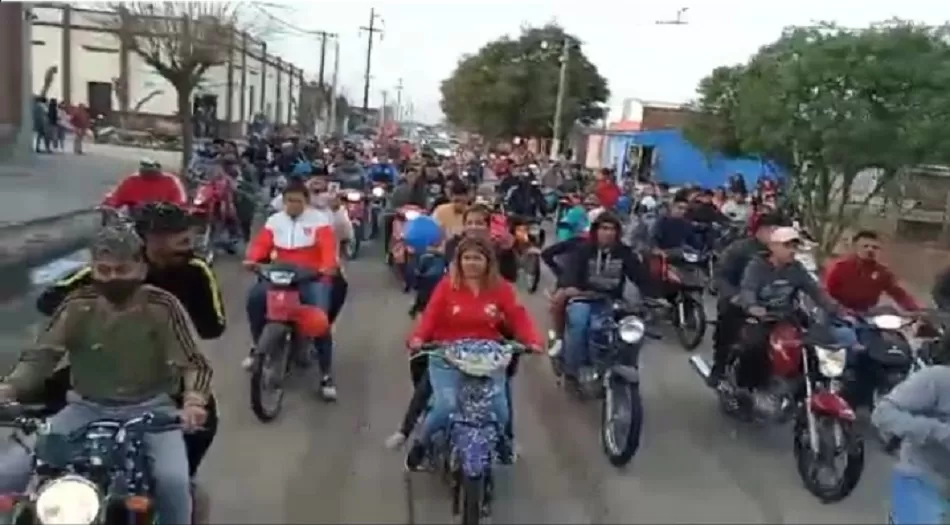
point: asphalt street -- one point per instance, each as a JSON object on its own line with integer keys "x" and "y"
{"x": 325, "y": 463}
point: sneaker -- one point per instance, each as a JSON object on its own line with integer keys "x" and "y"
{"x": 327, "y": 388}
{"x": 395, "y": 441}
{"x": 556, "y": 347}
{"x": 248, "y": 362}
{"x": 715, "y": 376}
{"x": 415, "y": 457}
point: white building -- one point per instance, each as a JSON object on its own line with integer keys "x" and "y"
{"x": 93, "y": 67}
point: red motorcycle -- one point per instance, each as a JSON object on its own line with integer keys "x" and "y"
{"x": 804, "y": 385}
{"x": 397, "y": 253}
{"x": 213, "y": 207}
{"x": 355, "y": 203}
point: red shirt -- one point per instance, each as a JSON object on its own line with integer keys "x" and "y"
{"x": 135, "y": 190}
{"x": 607, "y": 192}
{"x": 858, "y": 284}
{"x": 459, "y": 313}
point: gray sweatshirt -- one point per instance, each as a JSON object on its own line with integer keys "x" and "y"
{"x": 774, "y": 287}
{"x": 918, "y": 412}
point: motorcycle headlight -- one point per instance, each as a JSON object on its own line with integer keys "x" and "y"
{"x": 831, "y": 361}
{"x": 378, "y": 192}
{"x": 281, "y": 278}
{"x": 354, "y": 196}
{"x": 631, "y": 330}
{"x": 412, "y": 214}
{"x": 690, "y": 257}
{"x": 199, "y": 200}
{"x": 69, "y": 500}
{"x": 888, "y": 321}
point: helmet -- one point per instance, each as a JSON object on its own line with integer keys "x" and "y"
{"x": 161, "y": 217}
{"x": 148, "y": 163}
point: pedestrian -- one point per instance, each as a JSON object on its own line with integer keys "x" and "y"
{"x": 62, "y": 124}
{"x": 52, "y": 123}
{"x": 41, "y": 125}
{"x": 80, "y": 123}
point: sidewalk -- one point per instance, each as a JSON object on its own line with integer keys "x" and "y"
{"x": 63, "y": 182}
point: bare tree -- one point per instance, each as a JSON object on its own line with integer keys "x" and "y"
{"x": 181, "y": 41}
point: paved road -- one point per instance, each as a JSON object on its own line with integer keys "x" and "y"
{"x": 321, "y": 463}
{"x": 62, "y": 182}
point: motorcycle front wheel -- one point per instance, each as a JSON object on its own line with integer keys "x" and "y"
{"x": 270, "y": 370}
{"x": 819, "y": 472}
{"x": 531, "y": 270}
{"x": 621, "y": 421}
{"x": 690, "y": 322}
{"x": 473, "y": 500}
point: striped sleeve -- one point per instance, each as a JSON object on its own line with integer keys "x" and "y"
{"x": 181, "y": 343}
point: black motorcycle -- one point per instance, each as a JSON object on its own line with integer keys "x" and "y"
{"x": 616, "y": 335}
{"x": 684, "y": 277}
{"x": 100, "y": 473}
{"x": 528, "y": 247}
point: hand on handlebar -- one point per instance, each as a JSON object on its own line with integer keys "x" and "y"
{"x": 192, "y": 417}
{"x": 250, "y": 265}
{"x": 758, "y": 311}
{"x": 415, "y": 344}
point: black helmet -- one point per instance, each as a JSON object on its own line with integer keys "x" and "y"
{"x": 161, "y": 217}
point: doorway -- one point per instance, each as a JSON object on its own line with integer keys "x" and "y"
{"x": 204, "y": 111}
{"x": 99, "y": 97}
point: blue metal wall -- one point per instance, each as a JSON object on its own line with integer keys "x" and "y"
{"x": 679, "y": 162}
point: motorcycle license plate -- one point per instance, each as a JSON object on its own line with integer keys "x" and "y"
{"x": 282, "y": 305}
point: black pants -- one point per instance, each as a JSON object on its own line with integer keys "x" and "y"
{"x": 729, "y": 322}
{"x": 753, "y": 371}
{"x": 338, "y": 291}
{"x": 388, "y": 219}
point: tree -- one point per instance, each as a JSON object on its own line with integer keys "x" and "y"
{"x": 181, "y": 41}
{"x": 828, "y": 103}
{"x": 509, "y": 88}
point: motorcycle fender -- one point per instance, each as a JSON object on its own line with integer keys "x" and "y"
{"x": 474, "y": 447}
{"x": 630, "y": 374}
{"x": 827, "y": 403}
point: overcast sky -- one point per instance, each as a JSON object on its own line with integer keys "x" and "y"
{"x": 423, "y": 40}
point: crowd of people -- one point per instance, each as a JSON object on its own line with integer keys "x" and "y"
{"x": 145, "y": 286}
{"x": 53, "y": 120}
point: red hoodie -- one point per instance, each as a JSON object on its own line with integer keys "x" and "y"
{"x": 607, "y": 192}
{"x": 136, "y": 189}
{"x": 858, "y": 284}
{"x": 458, "y": 313}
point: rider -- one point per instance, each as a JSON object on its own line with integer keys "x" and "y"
{"x": 728, "y": 276}
{"x": 524, "y": 197}
{"x": 471, "y": 303}
{"x": 150, "y": 184}
{"x": 599, "y": 266}
{"x": 770, "y": 286}
{"x": 409, "y": 191}
{"x": 129, "y": 345}
{"x": 322, "y": 200}
{"x": 350, "y": 173}
{"x": 303, "y": 236}
{"x": 606, "y": 189}
{"x": 673, "y": 230}
{"x": 449, "y": 216}
{"x": 917, "y": 411}
{"x": 383, "y": 172}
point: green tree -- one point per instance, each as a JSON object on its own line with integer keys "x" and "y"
{"x": 509, "y": 88}
{"x": 828, "y": 103}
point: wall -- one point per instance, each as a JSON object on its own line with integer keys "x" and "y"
{"x": 678, "y": 162}
{"x": 16, "y": 81}
{"x": 664, "y": 117}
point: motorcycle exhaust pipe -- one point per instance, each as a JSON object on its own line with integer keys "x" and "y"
{"x": 700, "y": 366}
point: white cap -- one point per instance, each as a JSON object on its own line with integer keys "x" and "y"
{"x": 784, "y": 234}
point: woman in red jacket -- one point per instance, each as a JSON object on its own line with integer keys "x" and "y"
{"x": 471, "y": 305}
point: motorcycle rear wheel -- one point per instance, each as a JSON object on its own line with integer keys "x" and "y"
{"x": 531, "y": 270}
{"x": 473, "y": 499}
{"x": 621, "y": 421}
{"x": 808, "y": 464}
{"x": 270, "y": 370}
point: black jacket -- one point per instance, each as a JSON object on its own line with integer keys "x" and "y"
{"x": 507, "y": 260}
{"x": 193, "y": 284}
{"x": 732, "y": 265}
{"x": 592, "y": 268}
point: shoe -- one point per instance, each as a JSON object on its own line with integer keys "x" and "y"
{"x": 395, "y": 441}
{"x": 556, "y": 347}
{"x": 714, "y": 378}
{"x": 248, "y": 362}
{"x": 327, "y": 388}
{"x": 415, "y": 457}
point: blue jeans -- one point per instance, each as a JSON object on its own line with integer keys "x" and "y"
{"x": 915, "y": 501}
{"x": 312, "y": 293}
{"x": 166, "y": 450}
{"x": 446, "y": 380}
{"x": 576, "y": 334}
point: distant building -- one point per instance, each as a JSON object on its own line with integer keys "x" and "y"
{"x": 96, "y": 69}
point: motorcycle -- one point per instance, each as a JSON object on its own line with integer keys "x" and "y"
{"x": 356, "y": 209}
{"x": 281, "y": 343}
{"x": 212, "y": 209}
{"x": 467, "y": 450}
{"x": 100, "y": 473}
{"x": 805, "y": 386}
{"x": 528, "y": 242}
{"x": 398, "y": 253}
{"x": 617, "y": 332}
{"x": 377, "y": 204}
{"x": 683, "y": 273}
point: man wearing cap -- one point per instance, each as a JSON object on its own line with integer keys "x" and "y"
{"x": 728, "y": 276}
{"x": 769, "y": 287}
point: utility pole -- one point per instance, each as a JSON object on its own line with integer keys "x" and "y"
{"x": 559, "y": 104}
{"x": 333, "y": 87}
{"x": 370, "y": 34}
{"x": 382, "y": 109}
{"x": 398, "y": 116}
{"x": 323, "y": 36}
